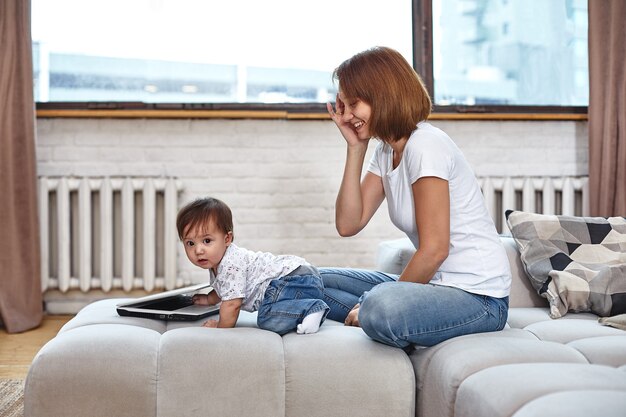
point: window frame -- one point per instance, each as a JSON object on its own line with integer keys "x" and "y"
{"x": 422, "y": 62}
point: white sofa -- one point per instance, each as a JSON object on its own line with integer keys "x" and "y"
{"x": 101, "y": 364}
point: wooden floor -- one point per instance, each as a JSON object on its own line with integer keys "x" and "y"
{"x": 18, "y": 350}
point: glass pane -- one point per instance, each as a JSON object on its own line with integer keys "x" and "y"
{"x": 510, "y": 52}
{"x": 186, "y": 51}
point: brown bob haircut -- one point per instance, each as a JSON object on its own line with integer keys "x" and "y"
{"x": 202, "y": 211}
{"x": 383, "y": 79}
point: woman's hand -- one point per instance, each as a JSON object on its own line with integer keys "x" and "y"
{"x": 210, "y": 323}
{"x": 353, "y": 317}
{"x": 345, "y": 127}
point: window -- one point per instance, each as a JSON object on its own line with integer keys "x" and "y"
{"x": 474, "y": 55}
{"x": 517, "y": 52}
{"x": 199, "y": 51}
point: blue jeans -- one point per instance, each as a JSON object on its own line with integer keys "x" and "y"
{"x": 404, "y": 313}
{"x": 290, "y": 299}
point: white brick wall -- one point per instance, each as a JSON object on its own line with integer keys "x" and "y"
{"x": 280, "y": 177}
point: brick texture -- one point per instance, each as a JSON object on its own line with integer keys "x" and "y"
{"x": 280, "y": 177}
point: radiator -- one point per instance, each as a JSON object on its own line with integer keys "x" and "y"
{"x": 108, "y": 233}
{"x": 545, "y": 195}
{"x": 119, "y": 233}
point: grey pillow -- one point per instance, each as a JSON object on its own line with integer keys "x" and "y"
{"x": 577, "y": 263}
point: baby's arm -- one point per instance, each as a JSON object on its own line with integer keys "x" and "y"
{"x": 206, "y": 299}
{"x": 229, "y": 313}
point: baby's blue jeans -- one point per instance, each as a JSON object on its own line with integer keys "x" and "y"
{"x": 290, "y": 299}
{"x": 403, "y": 313}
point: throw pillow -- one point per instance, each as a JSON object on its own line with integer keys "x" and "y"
{"x": 577, "y": 263}
{"x": 619, "y": 321}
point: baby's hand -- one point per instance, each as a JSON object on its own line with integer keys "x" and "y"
{"x": 200, "y": 299}
{"x": 210, "y": 323}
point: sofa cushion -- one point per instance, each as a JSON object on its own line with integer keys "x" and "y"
{"x": 576, "y": 403}
{"x": 577, "y": 263}
{"x": 455, "y": 362}
{"x": 503, "y": 390}
{"x": 220, "y": 364}
{"x": 607, "y": 350}
{"x": 522, "y": 293}
{"x": 108, "y": 369}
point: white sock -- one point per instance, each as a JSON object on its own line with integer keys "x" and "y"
{"x": 311, "y": 323}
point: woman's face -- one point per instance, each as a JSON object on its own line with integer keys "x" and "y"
{"x": 355, "y": 112}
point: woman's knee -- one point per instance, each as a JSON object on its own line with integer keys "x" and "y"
{"x": 379, "y": 314}
{"x": 388, "y": 299}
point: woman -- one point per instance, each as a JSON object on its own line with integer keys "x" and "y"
{"x": 458, "y": 280}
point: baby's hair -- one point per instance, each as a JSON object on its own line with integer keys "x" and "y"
{"x": 200, "y": 212}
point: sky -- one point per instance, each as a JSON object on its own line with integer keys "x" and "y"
{"x": 272, "y": 33}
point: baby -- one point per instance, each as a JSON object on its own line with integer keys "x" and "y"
{"x": 286, "y": 290}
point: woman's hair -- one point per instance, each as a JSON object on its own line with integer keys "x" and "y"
{"x": 200, "y": 212}
{"x": 382, "y": 78}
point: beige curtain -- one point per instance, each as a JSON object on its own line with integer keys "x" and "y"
{"x": 607, "y": 107}
{"x": 20, "y": 284}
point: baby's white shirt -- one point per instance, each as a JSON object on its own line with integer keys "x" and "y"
{"x": 243, "y": 273}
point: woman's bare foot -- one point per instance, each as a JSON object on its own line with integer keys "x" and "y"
{"x": 353, "y": 317}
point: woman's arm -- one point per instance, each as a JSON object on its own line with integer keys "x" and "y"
{"x": 357, "y": 200}
{"x": 431, "y": 198}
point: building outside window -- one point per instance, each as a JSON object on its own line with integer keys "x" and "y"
{"x": 510, "y": 52}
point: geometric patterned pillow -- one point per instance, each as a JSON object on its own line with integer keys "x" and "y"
{"x": 577, "y": 263}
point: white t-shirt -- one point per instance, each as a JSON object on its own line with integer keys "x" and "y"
{"x": 477, "y": 261}
{"x": 243, "y": 273}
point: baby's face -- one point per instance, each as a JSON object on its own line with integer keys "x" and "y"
{"x": 205, "y": 245}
